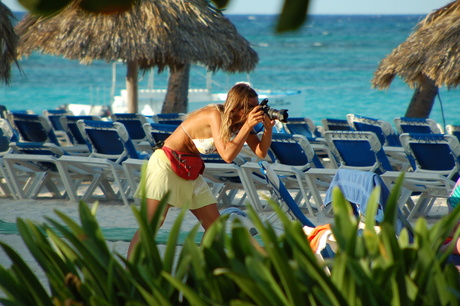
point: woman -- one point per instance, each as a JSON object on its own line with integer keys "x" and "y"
{"x": 214, "y": 128}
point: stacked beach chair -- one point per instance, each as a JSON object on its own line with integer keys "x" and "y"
{"x": 89, "y": 157}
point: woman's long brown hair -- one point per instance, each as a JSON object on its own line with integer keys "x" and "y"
{"x": 237, "y": 99}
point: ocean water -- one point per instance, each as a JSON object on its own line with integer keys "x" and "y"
{"x": 331, "y": 58}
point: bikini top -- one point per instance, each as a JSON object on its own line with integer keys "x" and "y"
{"x": 204, "y": 146}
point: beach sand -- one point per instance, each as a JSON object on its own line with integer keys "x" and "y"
{"x": 109, "y": 215}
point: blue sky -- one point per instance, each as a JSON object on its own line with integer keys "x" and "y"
{"x": 323, "y": 6}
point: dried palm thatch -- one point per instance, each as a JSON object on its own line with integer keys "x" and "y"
{"x": 153, "y": 33}
{"x": 432, "y": 50}
{"x": 8, "y": 43}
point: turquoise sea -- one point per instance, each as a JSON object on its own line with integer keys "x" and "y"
{"x": 332, "y": 58}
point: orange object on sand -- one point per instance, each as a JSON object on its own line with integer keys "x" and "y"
{"x": 316, "y": 234}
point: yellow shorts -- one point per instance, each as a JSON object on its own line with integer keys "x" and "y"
{"x": 160, "y": 178}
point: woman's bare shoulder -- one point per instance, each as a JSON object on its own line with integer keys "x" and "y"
{"x": 209, "y": 109}
{"x": 203, "y": 117}
{"x": 209, "y": 112}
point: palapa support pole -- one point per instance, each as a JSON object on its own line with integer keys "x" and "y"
{"x": 423, "y": 99}
{"x": 131, "y": 86}
{"x": 176, "y": 99}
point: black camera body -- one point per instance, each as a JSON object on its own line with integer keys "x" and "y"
{"x": 272, "y": 113}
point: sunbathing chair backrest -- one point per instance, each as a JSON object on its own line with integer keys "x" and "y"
{"x": 107, "y": 140}
{"x": 294, "y": 150}
{"x": 358, "y": 150}
{"x": 382, "y": 129}
{"x": 134, "y": 124}
{"x": 7, "y": 136}
{"x": 453, "y": 130}
{"x": 54, "y": 116}
{"x": 433, "y": 152}
{"x": 330, "y": 124}
{"x": 34, "y": 128}
{"x": 173, "y": 118}
{"x": 55, "y": 121}
{"x": 69, "y": 123}
{"x": 302, "y": 126}
{"x": 158, "y": 132}
{"x": 416, "y": 125}
{"x": 283, "y": 194}
{"x": 3, "y": 112}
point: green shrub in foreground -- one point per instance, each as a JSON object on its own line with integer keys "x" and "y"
{"x": 368, "y": 269}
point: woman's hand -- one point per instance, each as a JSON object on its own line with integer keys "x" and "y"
{"x": 268, "y": 124}
{"x": 255, "y": 116}
{"x": 260, "y": 146}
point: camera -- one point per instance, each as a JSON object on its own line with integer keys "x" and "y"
{"x": 272, "y": 113}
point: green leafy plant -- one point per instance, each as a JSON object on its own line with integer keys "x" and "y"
{"x": 370, "y": 267}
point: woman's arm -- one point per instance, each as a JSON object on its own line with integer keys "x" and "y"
{"x": 260, "y": 146}
{"x": 228, "y": 150}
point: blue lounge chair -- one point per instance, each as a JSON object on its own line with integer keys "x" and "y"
{"x": 294, "y": 157}
{"x": 33, "y": 128}
{"x": 453, "y": 130}
{"x": 32, "y": 166}
{"x": 134, "y": 125}
{"x": 283, "y": 195}
{"x": 302, "y": 126}
{"x": 416, "y": 125}
{"x": 352, "y": 150}
{"x": 173, "y": 118}
{"x": 69, "y": 124}
{"x": 330, "y": 124}
{"x": 156, "y": 133}
{"x": 435, "y": 160}
{"x": 290, "y": 207}
{"x": 54, "y": 117}
{"x": 306, "y": 128}
{"x": 358, "y": 150}
{"x": 387, "y": 136}
{"x": 363, "y": 183}
{"x": 77, "y": 146}
{"x": 36, "y": 128}
{"x": 7, "y": 136}
{"x": 109, "y": 144}
{"x": 356, "y": 187}
{"x": 381, "y": 128}
{"x": 228, "y": 181}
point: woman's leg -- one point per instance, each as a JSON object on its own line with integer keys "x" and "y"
{"x": 206, "y": 215}
{"x": 152, "y": 207}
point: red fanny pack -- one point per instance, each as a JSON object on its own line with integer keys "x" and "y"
{"x": 187, "y": 166}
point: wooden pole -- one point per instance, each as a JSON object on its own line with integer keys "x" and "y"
{"x": 131, "y": 86}
{"x": 423, "y": 99}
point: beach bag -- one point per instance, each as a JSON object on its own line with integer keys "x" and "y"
{"x": 186, "y": 165}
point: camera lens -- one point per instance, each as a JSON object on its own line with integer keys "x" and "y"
{"x": 272, "y": 113}
{"x": 280, "y": 115}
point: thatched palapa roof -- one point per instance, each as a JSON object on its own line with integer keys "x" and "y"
{"x": 8, "y": 43}
{"x": 153, "y": 33}
{"x": 432, "y": 50}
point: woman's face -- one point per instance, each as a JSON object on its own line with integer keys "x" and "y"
{"x": 253, "y": 102}
{"x": 242, "y": 115}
